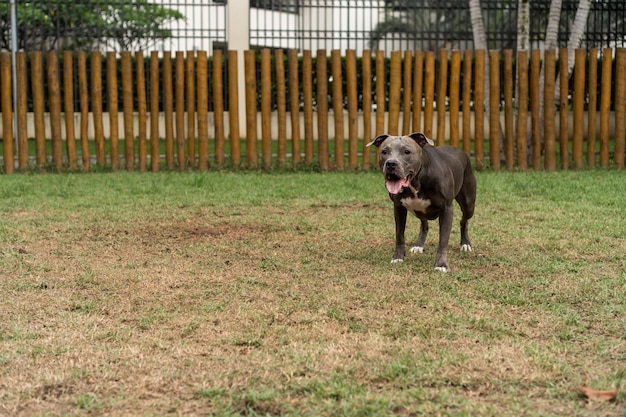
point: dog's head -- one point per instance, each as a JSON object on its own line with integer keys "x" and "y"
{"x": 400, "y": 158}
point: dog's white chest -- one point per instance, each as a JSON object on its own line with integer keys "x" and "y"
{"x": 415, "y": 204}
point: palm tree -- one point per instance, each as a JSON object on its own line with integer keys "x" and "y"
{"x": 478, "y": 27}
{"x": 523, "y": 23}
{"x": 578, "y": 29}
{"x": 576, "y": 34}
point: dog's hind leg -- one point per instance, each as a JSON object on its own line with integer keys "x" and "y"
{"x": 467, "y": 200}
{"x": 466, "y": 246}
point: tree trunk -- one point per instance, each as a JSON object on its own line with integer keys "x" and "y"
{"x": 523, "y": 44}
{"x": 551, "y": 42}
{"x": 576, "y": 35}
{"x": 480, "y": 40}
{"x": 523, "y": 23}
{"x": 478, "y": 27}
{"x": 578, "y": 30}
{"x": 552, "y": 31}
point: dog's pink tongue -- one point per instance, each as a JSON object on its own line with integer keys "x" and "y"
{"x": 394, "y": 187}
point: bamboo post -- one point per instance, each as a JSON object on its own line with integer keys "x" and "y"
{"x": 494, "y": 109}
{"x": 479, "y": 107}
{"x": 294, "y": 100}
{"x": 337, "y": 91}
{"x": 153, "y": 82}
{"x": 180, "y": 109}
{"x": 127, "y": 101}
{"x": 395, "y": 88}
{"x": 592, "y": 107}
{"x": 441, "y": 96}
{"x": 620, "y": 106}
{"x": 7, "y": 112}
{"x": 535, "y": 66}
{"x": 266, "y": 108}
{"x": 455, "y": 79}
{"x": 251, "y": 109}
{"x": 36, "y": 70}
{"x": 218, "y": 106}
{"x": 509, "y": 138}
{"x": 68, "y": 89}
{"x": 579, "y": 105}
{"x": 22, "y": 109}
{"x": 83, "y": 91}
{"x": 281, "y": 107}
{"x": 407, "y": 89}
{"x": 190, "y": 78}
{"x": 418, "y": 80}
{"x": 168, "y": 109}
{"x": 54, "y": 104}
{"x": 353, "y": 109}
{"x": 307, "y": 98}
{"x": 96, "y": 106}
{"x": 380, "y": 92}
{"x": 202, "y": 75}
{"x": 141, "y": 110}
{"x": 113, "y": 110}
{"x": 522, "y": 109}
{"x": 429, "y": 93}
{"x": 467, "y": 97}
{"x": 563, "y": 109}
{"x": 322, "y": 108}
{"x": 366, "y": 94}
{"x": 549, "y": 103}
{"x": 605, "y": 105}
{"x": 233, "y": 109}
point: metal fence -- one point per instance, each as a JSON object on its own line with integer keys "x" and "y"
{"x": 291, "y": 24}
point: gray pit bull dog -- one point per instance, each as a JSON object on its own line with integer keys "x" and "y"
{"x": 425, "y": 180}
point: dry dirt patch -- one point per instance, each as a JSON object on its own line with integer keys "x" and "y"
{"x": 271, "y": 311}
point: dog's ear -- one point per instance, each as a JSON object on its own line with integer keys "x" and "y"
{"x": 421, "y": 139}
{"x": 378, "y": 140}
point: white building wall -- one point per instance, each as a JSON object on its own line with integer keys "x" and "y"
{"x": 319, "y": 24}
{"x": 205, "y": 23}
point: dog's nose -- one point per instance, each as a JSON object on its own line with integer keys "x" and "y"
{"x": 391, "y": 164}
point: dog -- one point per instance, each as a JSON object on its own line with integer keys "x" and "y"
{"x": 424, "y": 180}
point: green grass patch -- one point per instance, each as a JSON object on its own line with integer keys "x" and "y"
{"x": 255, "y": 293}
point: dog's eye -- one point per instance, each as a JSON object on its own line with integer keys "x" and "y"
{"x": 384, "y": 152}
{"x": 407, "y": 152}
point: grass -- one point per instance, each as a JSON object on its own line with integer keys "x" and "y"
{"x": 253, "y": 293}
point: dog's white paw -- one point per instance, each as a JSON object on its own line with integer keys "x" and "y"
{"x": 466, "y": 248}
{"x": 397, "y": 261}
{"x": 441, "y": 269}
{"x": 417, "y": 249}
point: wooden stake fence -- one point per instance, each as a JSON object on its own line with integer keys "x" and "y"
{"x": 549, "y": 110}
{"x": 337, "y": 94}
{"x": 168, "y": 107}
{"x": 22, "y": 123}
{"x": 7, "y": 111}
{"x": 114, "y": 151}
{"x": 563, "y": 110}
{"x": 170, "y": 127}
{"x": 522, "y": 110}
{"x": 605, "y": 105}
{"x": 367, "y": 104}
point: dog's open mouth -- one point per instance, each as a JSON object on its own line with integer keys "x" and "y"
{"x": 395, "y": 185}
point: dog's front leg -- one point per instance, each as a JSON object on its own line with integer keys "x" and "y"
{"x": 445, "y": 227}
{"x": 399, "y": 213}
{"x": 419, "y": 244}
